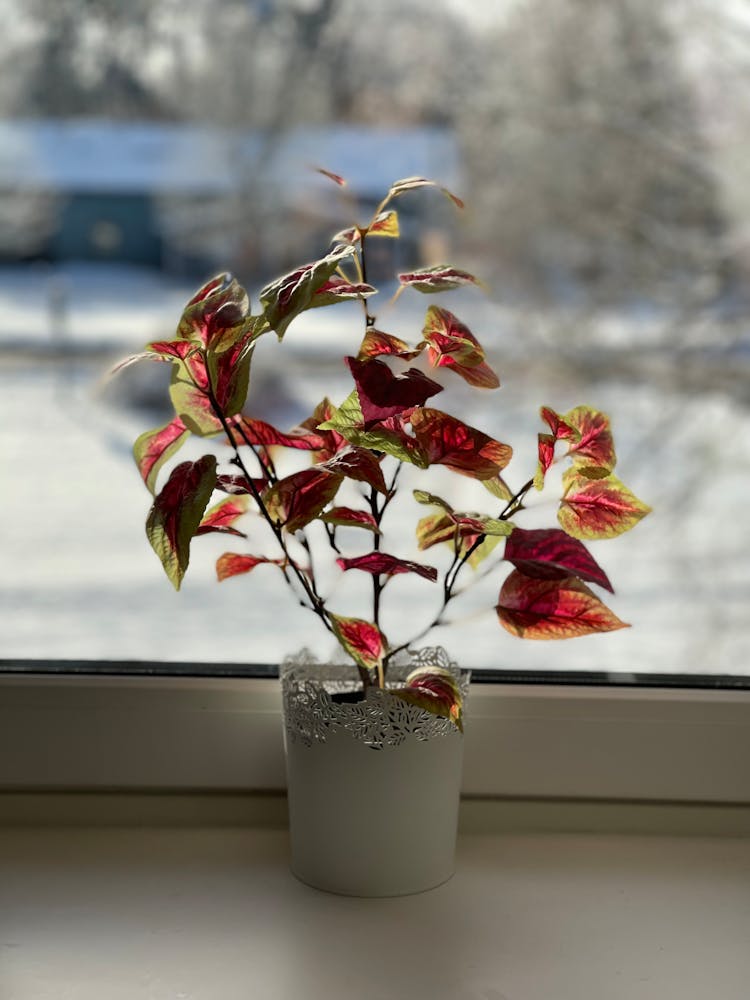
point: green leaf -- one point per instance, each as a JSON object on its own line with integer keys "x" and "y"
{"x": 176, "y": 514}
{"x": 387, "y": 436}
{"x": 287, "y": 297}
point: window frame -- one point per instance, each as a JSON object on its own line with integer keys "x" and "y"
{"x": 164, "y": 731}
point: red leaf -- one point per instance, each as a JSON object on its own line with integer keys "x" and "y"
{"x": 336, "y": 178}
{"x": 177, "y": 512}
{"x": 258, "y": 432}
{"x": 533, "y": 608}
{"x": 448, "y": 441}
{"x": 438, "y": 278}
{"x": 346, "y": 517}
{"x": 359, "y": 464}
{"x": 436, "y": 691}
{"x": 376, "y": 343}
{"x": 232, "y": 564}
{"x": 154, "y": 447}
{"x": 362, "y": 640}
{"x": 383, "y": 394}
{"x": 598, "y": 508}
{"x": 453, "y": 345}
{"x": 222, "y": 516}
{"x": 551, "y": 554}
{"x": 298, "y": 499}
{"x": 381, "y": 562}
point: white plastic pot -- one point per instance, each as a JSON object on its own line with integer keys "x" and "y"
{"x": 373, "y": 785}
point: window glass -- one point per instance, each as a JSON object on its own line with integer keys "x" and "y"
{"x": 601, "y": 150}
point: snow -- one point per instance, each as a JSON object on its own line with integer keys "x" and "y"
{"x": 80, "y": 581}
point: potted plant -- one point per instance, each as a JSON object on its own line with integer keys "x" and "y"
{"x": 373, "y": 748}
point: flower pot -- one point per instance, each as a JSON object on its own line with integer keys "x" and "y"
{"x": 373, "y": 782}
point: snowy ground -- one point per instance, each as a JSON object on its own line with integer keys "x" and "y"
{"x": 79, "y": 579}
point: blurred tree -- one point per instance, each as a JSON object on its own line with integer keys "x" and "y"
{"x": 586, "y": 146}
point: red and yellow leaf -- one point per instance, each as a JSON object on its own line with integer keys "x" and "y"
{"x": 551, "y": 554}
{"x": 152, "y": 449}
{"x": 437, "y": 278}
{"x": 298, "y": 499}
{"x": 435, "y": 690}
{"x": 347, "y": 518}
{"x": 338, "y": 289}
{"x": 258, "y": 432}
{"x": 221, "y": 517}
{"x": 359, "y": 464}
{"x": 219, "y": 305}
{"x": 384, "y": 224}
{"x": 362, "y": 640}
{"x": 176, "y": 514}
{"x": 598, "y": 507}
{"x": 448, "y": 441}
{"x": 376, "y": 343}
{"x": 234, "y": 564}
{"x": 453, "y": 345}
{"x": 593, "y": 444}
{"x": 534, "y": 608}
{"x": 380, "y": 562}
{"x": 546, "y": 456}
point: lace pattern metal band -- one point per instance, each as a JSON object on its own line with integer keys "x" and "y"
{"x": 312, "y": 711}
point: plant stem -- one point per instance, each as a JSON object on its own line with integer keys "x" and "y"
{"x": 316, "y": 603}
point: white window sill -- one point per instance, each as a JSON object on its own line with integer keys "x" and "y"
{"x": 215, "y": 915}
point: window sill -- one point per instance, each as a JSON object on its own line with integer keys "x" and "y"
{"x": 216, "y": 914}
{"x": 223, "y": 735}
